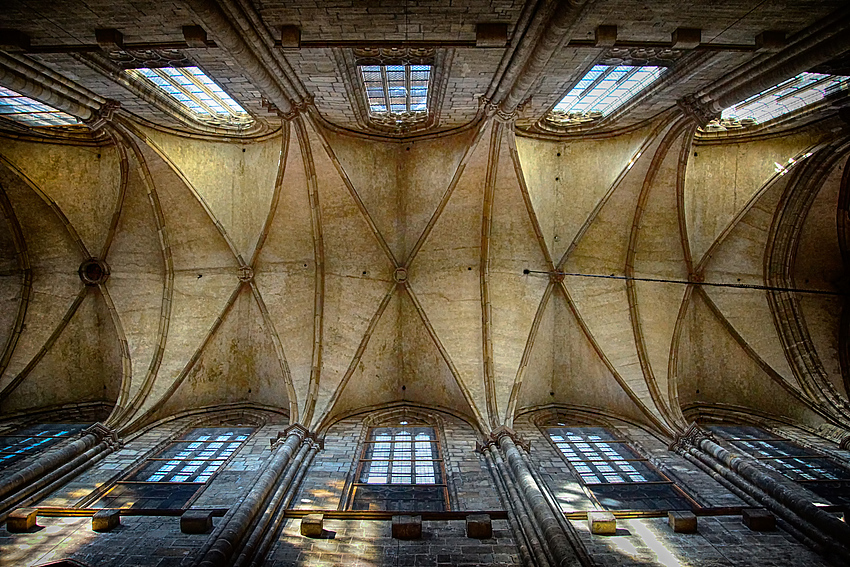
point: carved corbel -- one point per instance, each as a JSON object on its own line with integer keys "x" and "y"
{"x": 700, "y": 112}
{"x": 103, "y": 115}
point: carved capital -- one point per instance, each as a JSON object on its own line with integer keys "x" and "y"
{"x": 503, "y": 431}
{"x": 700, "y": 112}
{"x": 691, "y": 438}
{"x": 103, "y": 433}
{"x": 103, "y": 115}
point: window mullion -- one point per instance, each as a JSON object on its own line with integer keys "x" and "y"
{"x": 210, "y": 93}
{"x": 385, "y": 83}
{"x": 185, "y": 91}
{"x": 407, "y": 86}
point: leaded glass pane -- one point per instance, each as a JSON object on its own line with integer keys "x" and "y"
{"x": 193, "y": 89}
{"x": 788, "y": 96}
{"x": 604, "y": 89}
{"x": 32, "y": 440}
{"x": 396, "y": 90}
{"x": 617, "y": 476}
{"x": 397, "y": 463}
{"x": 31, "y": 112}
{"x": 191, "y": 461}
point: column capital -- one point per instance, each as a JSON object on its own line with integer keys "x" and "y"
{"x": 691, "y": 437}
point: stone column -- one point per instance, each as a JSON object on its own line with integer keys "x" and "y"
{"x": 228, "y": 536}
{"x": 772, "y": 490}
{"x": 71, "y": 457}
{"x": 557, "y": 543}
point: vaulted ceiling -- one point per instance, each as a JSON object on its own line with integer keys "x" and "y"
{"x": 485, "y": 265}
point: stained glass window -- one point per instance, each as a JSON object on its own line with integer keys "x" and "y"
{"x": 396, "y": 90}
{"x": 31, "y": 112}
{"x": 617, "y": 476}
{"x": 176, "y": 474}
{"x": 401, "y": 468}
{"x": 821, "y": 475}
{"x": 604, "y": 89}
{"x": 20, "y": 444}
{"x": 787, "y": 96}
{"x": 192, "y": 88}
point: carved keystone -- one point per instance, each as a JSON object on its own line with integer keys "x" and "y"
{"x": 682, "y": 522}
{"x": 105, "y": 520}
{"x": 311, "y": 525}
{"x": 93, "y": 271}
{"x": 196, "y": 521}
{"x": 22, "y": 520}
{"x": 479, "y": 526}
{"x": 758, "y": 519}
{"x": 407, "y": 527}
{"x": 400, "y": 275}
{"x": 601, "y": 522}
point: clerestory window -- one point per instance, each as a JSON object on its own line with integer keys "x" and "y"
{"x": 617, "y": 476}
{"x": 604, "y": 89}
{"x": 400, "y": 468}
{"x": 20, "y": 444}
{"x": 397, "y": 92}
{"x": 177, "y": 474}
{"x": 819, "y": 474}
{"x": 790, "y": 95}
{"x": 31, "y": 112}
{"x": 197, "y": 93}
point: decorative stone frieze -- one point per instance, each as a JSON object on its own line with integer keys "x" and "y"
{"x": 641, "y": 56}
{"x": 394, "y": 56}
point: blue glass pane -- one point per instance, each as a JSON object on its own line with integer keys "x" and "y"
{"x": 31, "y": 112}
{"x": 406, "y": 85}
{"x": 788, "y": 96}
{"x": 603, "y": 90}
{"x": 192, "y": 88}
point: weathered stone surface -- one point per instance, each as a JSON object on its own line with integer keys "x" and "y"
{"x": 105, "y": 520}
{"x": 407, "y": 527}
{"x": 479, "y": 526}
{"x": 22, "y": 520}
{"x": 311, "y": 525}
{"x": 601, "y": 522}
{"x": 682, "y": 522}
{"x": 758, "y": 519}
{"x": 196, "y": 522}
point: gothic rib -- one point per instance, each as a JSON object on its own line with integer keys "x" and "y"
{"x": 123, "y": 344}
{"x": 706, "y": 258}
{"x": 526, "y": 198}
{"x": 684, "y": 157}
{"x": 650, "y": 139}
{"x": 122, "y": 191}
{"x": 274, "y": 337}
{"x": 219, "y": 227}
{"x": 355, "y": 196}
{"x": 278, "y": 185}
{"x": 22, "y": 254}
{"x": 673, "y": 134}
{"x": 358, "y": 354}
{"x": 526, "y": 355}
{"x": 482, "y": 424}
{"x": 484, "y": 272}
{"x": 120, "y": 416}
{"x": 842, "y": 222}
{"x": 461, "y": 166}
{"x": 54, "y": 336}
{"x": 768, "y": 369}
{"x": 175, "y": 384}
{"x": 673, "y": 358}
{"x": 779, "y": 259}
{"x": 319, "y": 254}
{"x": 661, "y": 425}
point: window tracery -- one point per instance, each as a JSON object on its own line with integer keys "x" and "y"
{"x": 617, "y": 476}
{"x": 198, "y": 93}
{"x": 601, "y": 91}
{"x": 31, "y": 112}
{"x": 400, "y": 468}
{"x": 20, "y": 444}
{"x": 788, "y": 96}
{"x": 178, "y": 473}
